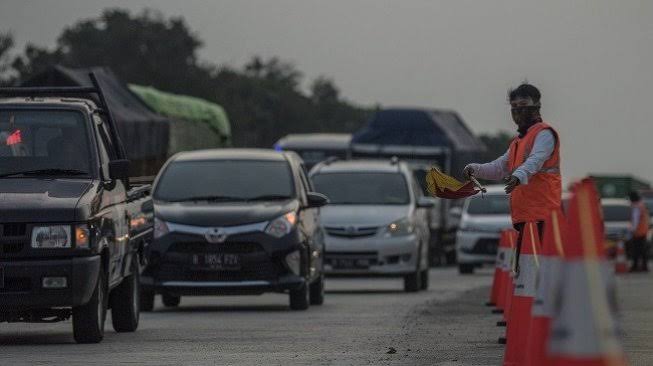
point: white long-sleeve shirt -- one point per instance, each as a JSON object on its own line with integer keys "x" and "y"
{"x": 498, "y": 169}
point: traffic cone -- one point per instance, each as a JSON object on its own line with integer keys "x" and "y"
{"x": 584, "y": 331}
{"x": 519, "y": 319}
{"x": 547, "y": 280}
{"x": 498, "y": 268}
{"x": 621, "y": 262}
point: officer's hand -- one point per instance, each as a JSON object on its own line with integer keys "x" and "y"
{"x": 468, "y": 172}
{"x": 511, "y": 183}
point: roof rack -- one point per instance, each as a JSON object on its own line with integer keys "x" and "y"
{"x": 71, "y": 90}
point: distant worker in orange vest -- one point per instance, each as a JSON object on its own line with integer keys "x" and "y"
{"x": 639, "y": 229}
{"x": 531, "y": 166}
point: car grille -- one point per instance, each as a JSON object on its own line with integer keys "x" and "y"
{"x": 371, "y": 256}
{"x": 486, "y": 246}
{"x": 351, "y": 231}
{"x": 13, "y": 238}
{"x": 256, "y": 264}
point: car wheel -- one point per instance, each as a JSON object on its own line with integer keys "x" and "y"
{"x": 125, "y": 302}
{"x": 171, "y": 301}
{"x": 88, "y": 319}
{"x": 147, "y": 300}
{"x": 316, "y": 294}
{"x": 465, "y": 268}
{"x": 299, "y": 298}
{"x": 412, "y": 282}
{"x": 424, "y": 279}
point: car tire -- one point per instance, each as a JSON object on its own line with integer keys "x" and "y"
{"x": 412, "y": 282}
{"x": 299, "y": 298}
{"x": 171, "y": 301}
{"x": 88, "y": 319}
{"x": 147, "y": 300}
{"x": 424, "y": 281}
{"x": 465, "y": 268}
{"x": 125, "y": 302}
{"x": 316, "y": 294}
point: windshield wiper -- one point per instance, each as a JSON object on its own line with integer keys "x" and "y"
{"x": 49, "y": 172}
{"x": 209, "y": 198}
{"x": 269, "y": 197}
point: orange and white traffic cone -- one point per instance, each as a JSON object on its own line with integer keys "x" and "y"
{"x": 508, "y": 285}
{"x": 584, "y": 331}
{"x": 621, "y": 262}
{"x": 497, "y": 280}
{"x": 547, "y": 279}
{"x": 519, "y": 319}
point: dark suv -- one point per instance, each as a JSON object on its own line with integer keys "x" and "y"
{"x": 235, "y": 221}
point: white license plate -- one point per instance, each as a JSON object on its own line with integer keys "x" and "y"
{"x": 217, "y": 261}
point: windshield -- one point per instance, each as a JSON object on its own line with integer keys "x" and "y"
{"x": 225, "y": 180}
{"x": 363, "y": 188}
{"x": 616, "y": 213}
{"x": 489, "y": 205}
{"x": 43, "y": 142}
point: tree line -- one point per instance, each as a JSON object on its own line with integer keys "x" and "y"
{"x": 262, "y": 98}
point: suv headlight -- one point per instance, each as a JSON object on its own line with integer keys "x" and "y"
{"x": 54, "y": 236}
{"x": 400, "y": 227}
{"x": 282, "y": 225}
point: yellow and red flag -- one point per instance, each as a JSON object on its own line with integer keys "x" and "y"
{"x": 444, "y": 186}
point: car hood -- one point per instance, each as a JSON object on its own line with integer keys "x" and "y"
{"x": 489, "y": 223}
{"x": 43, "y": 200}
{"x": 223, "y": 213}
{"x": 363, "y": 215}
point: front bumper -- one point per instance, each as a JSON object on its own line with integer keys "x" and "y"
{"x": 172, "y": 269}
{"x": 474, "y": 247}
{"x": 23, "y": 288}
{"x": 371, "y": 256}
{"x": 207, "y": 288}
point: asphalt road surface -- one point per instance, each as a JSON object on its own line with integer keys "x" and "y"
{"x": 363, "y": 322}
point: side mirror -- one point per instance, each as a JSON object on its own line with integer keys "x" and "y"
{"x": 316, "y": 199}
{"x": 426, "y": 202}
{"x": 456, "y": 212}
{"x": 119, "y": 169}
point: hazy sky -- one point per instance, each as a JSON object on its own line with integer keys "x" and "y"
{"x": 592, "y": 59}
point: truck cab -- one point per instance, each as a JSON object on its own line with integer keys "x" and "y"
{"x": 72, "y": 228}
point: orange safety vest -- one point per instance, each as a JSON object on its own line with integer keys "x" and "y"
{"x": 642, "y": 227}
{"x": 543, "y": 193}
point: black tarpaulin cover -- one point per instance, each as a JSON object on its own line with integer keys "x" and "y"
{"x": 144, "y": 133}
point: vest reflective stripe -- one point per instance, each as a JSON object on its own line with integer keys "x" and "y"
{"x": 583, "y": 325}
{"x": 543, "y": 193}
{"x": 525, "y": 281}
{"x": 548, "y": 280}
{"x": 642, "y": 227}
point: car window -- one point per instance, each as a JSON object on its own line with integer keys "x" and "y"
{"x": 489, "y": 205}
{"x": 43, "y": 139}
{"x": 363, "y": 188}
{"x": 616, "y": 212}
{"x": 235, "y": 179}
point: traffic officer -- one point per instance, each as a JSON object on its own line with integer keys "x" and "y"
{"x": 531, "y": 166}
{"x": 639, "y": 228}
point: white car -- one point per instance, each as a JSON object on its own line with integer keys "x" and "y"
{"x": 482, "y": 219}
{"x": 376, "y": 222}
{"x": 616, "y": 218}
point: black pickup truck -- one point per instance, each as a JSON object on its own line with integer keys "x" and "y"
{"x": 73, "y": 229}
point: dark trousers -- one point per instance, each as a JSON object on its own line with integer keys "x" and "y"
{"x": 639, "y": 253}
{"x": 520, "y": 226}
